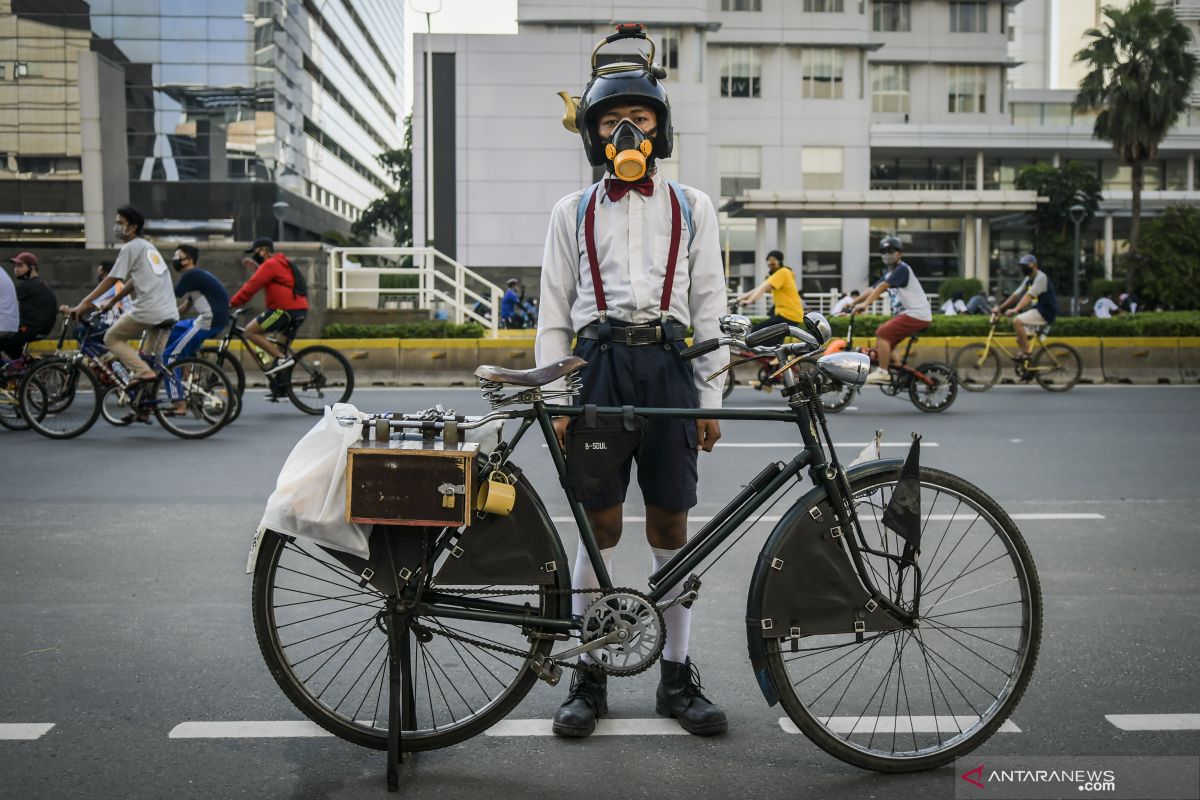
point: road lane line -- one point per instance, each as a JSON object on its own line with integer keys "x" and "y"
{"x": 1054, "y": 517}
{"x": 798, "y": 445}
{"x": 604, "y": 727}
{"x": 1155, "y": 722}
{"x": 24, "y": 731}
{"x": 921, "y": 724}
{"x": 247, "y": 730}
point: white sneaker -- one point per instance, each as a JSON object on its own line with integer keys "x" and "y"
{"x": 878, "y": 376}
{"x": 280, "y": 366}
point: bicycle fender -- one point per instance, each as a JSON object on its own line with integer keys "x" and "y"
{"x": 804, "y": 581}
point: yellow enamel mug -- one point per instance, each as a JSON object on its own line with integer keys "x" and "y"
{"x": 497, "y": 495}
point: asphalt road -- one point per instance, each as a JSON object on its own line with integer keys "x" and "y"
{"x": 125, "y": 610}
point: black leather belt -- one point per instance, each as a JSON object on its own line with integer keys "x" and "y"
{"x": 629, "y": 335}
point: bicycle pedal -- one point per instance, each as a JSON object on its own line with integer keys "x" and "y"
{"x": 547, "y": 670}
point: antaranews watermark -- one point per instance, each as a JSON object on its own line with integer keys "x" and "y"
{"x": 1053, "y": 777}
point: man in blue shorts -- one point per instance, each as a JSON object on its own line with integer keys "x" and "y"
{"x": 199, "y": 291}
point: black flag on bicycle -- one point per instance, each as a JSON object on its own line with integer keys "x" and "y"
{"x": 903, "y": 512}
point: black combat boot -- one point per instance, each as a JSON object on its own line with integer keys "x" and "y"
{"x": 587, "y": 702}
{"x": 679, "y": 696}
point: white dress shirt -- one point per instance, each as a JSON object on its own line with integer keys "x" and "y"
{"x": 633, "y": 239}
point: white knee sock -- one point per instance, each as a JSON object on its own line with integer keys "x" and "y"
{"x": 583, "y": 576}
{"x": 678, "y": 619}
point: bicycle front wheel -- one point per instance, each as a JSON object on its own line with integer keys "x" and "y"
{"x": 115, "y": 406}
{"x": 60, "y": 398}
{"x": 321, "y": 377}
{"x": 837, "y": 398}
{"x": 193, "y": 399}
{"x": 228, "y": 364}
{"x": 10, "y": 404}
{"x": 977, "y": 367}
{"x": 913, "y": 699}
{"x": 1057, "y": 367}
{"x": 322, "y": 630}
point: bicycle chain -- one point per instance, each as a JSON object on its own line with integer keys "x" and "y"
{"x": 512, "y": 651}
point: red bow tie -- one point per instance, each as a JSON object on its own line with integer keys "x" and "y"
{"x": 618, "y": 189}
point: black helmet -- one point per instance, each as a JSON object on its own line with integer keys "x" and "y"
{"x": 624, "y": 82}
{"x": 889, "y": 243}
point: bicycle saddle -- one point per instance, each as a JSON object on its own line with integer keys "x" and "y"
{"x": 538, "y": 376}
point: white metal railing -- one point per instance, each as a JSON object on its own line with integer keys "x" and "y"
{"x": 439, "y": 279}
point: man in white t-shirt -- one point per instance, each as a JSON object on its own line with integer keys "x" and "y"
{"x": 1106, "y": 307}
{"x": 911, "y": 312}
{"x": 10, "y": 312}
{"x": 147, "y": 278}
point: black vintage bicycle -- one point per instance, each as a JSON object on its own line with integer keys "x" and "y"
{"x": 894, "y": 611}
{"x": 320, "y": 377}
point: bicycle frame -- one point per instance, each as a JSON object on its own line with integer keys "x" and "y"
{"x": 991, "y": 342}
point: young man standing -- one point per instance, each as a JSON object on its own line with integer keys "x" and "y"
{"x": 38, "y": 305}
{"x": 152, "y": 308}
{"x": 287, "y": 299}
{"x": 781, "y": 282}
{"x": 200, "y": 291}
{"x": 911, "y": 312}
{"x": 630, "y": 263}
{"x": 1035, "y": 290}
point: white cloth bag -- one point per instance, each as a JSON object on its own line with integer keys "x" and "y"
{"x": 309, "y": 500}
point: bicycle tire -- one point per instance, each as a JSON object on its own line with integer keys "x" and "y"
{"x": 320, "y": 377}
{"x": 820, "y": 727}
{"x": 922, "y": 394}
{"x": 837, "y": 398}
{"x": 208, "y": 395}
{"x": 284, "y": 659}
{"x": 115, "y": 417}
{"x": 11, "y": 416}
{"x": 229, "y": 365}
{"x": 1057, "y": 367}
{"x": 977, "y": 367}
{"x": 50, "y": 389}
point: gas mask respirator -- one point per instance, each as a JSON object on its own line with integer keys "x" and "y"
{"x": 628, "y": 151}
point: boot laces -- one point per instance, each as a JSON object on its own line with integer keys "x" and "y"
{"x": 692, "y": 688}
{"x": 586, "y": 688}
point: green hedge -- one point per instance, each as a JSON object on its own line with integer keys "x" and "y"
{"x": 1165, "y": 323}
{"x": 410, "y": 330}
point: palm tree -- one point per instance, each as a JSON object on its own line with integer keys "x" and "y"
{"x": 1140, "y": 77}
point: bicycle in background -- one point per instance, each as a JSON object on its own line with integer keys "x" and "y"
{"x": 1056, "y": 366}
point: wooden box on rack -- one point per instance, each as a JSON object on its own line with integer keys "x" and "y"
{"x": 417, "y": 482}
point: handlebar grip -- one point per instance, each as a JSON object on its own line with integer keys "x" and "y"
{"x": 700, "y": 348}
{"x": 766, "y": 334}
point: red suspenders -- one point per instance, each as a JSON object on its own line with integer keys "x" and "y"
{"x": 589, "y": 236}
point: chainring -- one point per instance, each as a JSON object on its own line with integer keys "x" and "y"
{"x": 642, "y": 622}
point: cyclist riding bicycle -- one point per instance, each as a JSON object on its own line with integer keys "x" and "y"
{"x": 781, "y": 282}
{"x": 1035, "y": 290}
{"x": 911, "y": 312}
{"x": 287, "y": 301}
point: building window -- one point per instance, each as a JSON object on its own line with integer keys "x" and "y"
{"x": 821, "y": 167}
{"x": 668, "y": 48}
{"x": 968, "y": 90}
{"x": 741, "y": 5}
{"x": 891, "y": 15}
{"x": 740, "y": 72}
{"x": 741, "y": 169}
{"x": 889, "y": 88}
{"x": 968, "y": 17}
{"x": 821, "y": 73}
{"x": 823, "y": 6}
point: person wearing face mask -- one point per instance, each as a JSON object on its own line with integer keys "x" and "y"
{"x": 911, "y": 312}
{"x": 198, "y": 290}
{"x": 287, "y": 302}
{"x": 1036, "y": 291}
{"x": 630, "y": 263}
{"x": 37, "y": 305}
{"x": 147, "y": 279}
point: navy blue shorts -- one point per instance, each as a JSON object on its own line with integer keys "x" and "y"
{"x": 646, "y": 376}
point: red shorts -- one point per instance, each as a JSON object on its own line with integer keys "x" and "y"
{"x": 899, "y": 327}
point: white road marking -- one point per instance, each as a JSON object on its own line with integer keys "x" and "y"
{"x": 1155, "y": 722}
{"x": 929, "y": 518}
{"x": 798, "y": 445}
{"x": 1015, "y": 441}
{"x": 24, "y": 731}
{"x": 917, "y": 724}
{"x": 604, "y": 727}
{"x": 246, "y": 730}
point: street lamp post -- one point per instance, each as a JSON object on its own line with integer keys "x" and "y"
{"x": 280, "y": 208}
{"x": 1078, "y": 214}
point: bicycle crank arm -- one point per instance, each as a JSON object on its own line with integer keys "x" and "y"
{"x": 549, "y": 671}
{"x": 687, "y": 598}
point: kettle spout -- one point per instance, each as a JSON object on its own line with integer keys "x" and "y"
{"x": 568, "y": 119}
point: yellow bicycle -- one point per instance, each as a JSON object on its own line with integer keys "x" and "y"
{"x": 1056, "y": 366}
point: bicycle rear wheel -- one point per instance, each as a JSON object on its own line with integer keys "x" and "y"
{"x": 10, "y": 404}
{"x": 1057, "y": 367}
{"x": 937, "y": 395}
{"x": 977, "y": 367}
{"x": 60, "y": 398}
{"x": 914, "y": 699}
{"x": 322, "y": 631}
{"x": 193, "y": 399}
{"x": 321, "y": 377}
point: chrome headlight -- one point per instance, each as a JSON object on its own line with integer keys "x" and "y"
{"x": 848, "y": 368}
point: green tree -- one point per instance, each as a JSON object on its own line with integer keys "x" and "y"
{"x": 1140, "y": 75}
{"x": 1053, "y": 231}
{"x": 1171, "y": 254}
{"x": 393, "y": 211}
